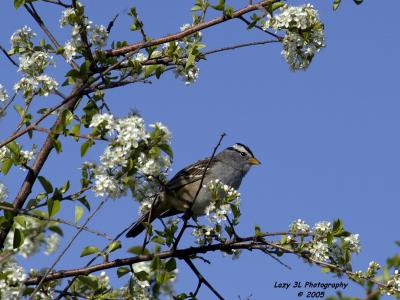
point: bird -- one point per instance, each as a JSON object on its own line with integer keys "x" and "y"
{"x": 177, "y": 195}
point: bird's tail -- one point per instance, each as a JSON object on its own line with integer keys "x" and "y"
{"x": 139, "y": 226}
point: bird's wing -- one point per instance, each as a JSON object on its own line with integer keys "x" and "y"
{"x": 190, "y": 174}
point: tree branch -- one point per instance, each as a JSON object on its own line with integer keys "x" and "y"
{"x": 189, "y": 31}
{"x": 202, "y": 279}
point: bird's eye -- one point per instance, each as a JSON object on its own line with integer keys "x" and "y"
{"x": 242, "y": 154}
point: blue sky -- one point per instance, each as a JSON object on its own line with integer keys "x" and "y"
{"x": 327, "y": 137}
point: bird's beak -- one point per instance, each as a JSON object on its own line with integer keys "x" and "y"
{"x": 254, "y": 161}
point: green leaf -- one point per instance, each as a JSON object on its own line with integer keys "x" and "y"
{"x": 220, "y": 6}
{"x": 78, "y": 213}
{"x": 158, "y": 239}
{"x": 85, "y": 147}
{"x": 170, "y": 265}
{"x": 88, "y": 250}
{"x": 167, "y": 149}
{"x": 20, "y": 220}
{"x": 257, "y": 230}
{"x": 156, "y": 263}
{"x": 137, "y": 250}
{"x": 65, "y": 187}
{"x": 53, "y": 206}
{"x": 57, "y": 145}
{"x": 114, "y": 246}
{"x": 84, "y": 202}
{"x": 196, "y": 8}
{"x": 122, "y": 271}
{"x": 358, "y": 2}
{"x": 18, "y": 3}
{"x": 148, "y": 70}
{"x": 14, "y": 148}
{"x": 57, "y": 230}
{"x": 337, "y": 226}
{"x": 46, "y": 184}
{"x": 19, "y": 110}
{"x": 90, "y": 281}
{"x": 276, "y": 6}
{"x": 142, "y": 275}
{"x": 18, "y": 238}
{"x": 6, "y": 166}
{"x": 336, "y": 4}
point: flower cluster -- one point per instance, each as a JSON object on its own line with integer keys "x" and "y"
{"x": 225, "y": 200}
{"x": 144, "y": 274}
{"x": 33, "y": 64}
{"x": 22, "y": 37}
{"x": 304, "y": 34}
{"x": 353, "y": 243}
{"x": 186, "y": 51}
{"x": 52, "y": 243}
{"x": 324, "y": 245}
{"x": 97, "y": 35}
{"x": 129, "y": 134}
{"x": 12, "y": 276}
{"x": 3, "y": 93}
{"x": 299, "y": 227}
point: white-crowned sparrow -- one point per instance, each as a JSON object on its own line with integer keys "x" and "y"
{"x": 229, "y": 166}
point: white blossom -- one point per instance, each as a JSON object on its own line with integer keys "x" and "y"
{"x": 153, "y": 166}
{"x": 353, "y": 243}
{"x": 27, "y": 155}
{"x": 299, "y": 226}
{"x": 34, "y": 63}
{"x": 99, "y": 35}
{"x": 69, "y": 51}
{"x": 145, "y": 206}
{"x": 322, "y": 229}
{"x": 319, "y": 251}
{"x": 166, "y": 134}
{"x": 304, "y": 34}
{"x": 104, "y": 185}
{"x": 27, "y": 85}
{"x": 189, "y": 75}
{"x": 3, "y": 192}
{"x": 3, "y": 93}
{"x": 11, "y": 280}
{"x": 22, "y": 37}
{"x": 52, "y": 243}
{"x": 185, "y": 26}
{"x": 48, "y": 85}
{"x": 107, "y": 120}
{"x": 143, "y": 266}
{"x": 140, "y": 57}
{"x": 114, "y": 156}
{"x": 66, "y": 16}
{"x": 4, "y": 153}
{"x": 130, "y": 131}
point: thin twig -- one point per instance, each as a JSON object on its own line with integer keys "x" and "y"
{"x": 9, "y": 56}
{"x": 66, "y": 248}
{"x": 239, "y": 46}
{"x": 202, "y": 279}
{"x": 111, "y": 24}
{"x": 280, "y": 38}
{"x": 58, "y": 2}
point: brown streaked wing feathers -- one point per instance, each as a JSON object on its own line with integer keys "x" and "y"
{"x": 190, "y": 174}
